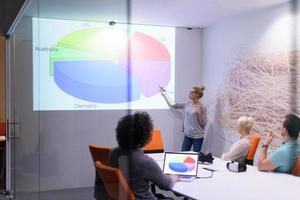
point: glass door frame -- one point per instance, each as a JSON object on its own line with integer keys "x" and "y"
{"x": 10, "y": 118}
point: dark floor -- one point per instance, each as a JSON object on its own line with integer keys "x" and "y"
{"x": 70, "y": 194}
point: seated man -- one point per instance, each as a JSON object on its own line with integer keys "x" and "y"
{"x": 133, "y": 132}
{"x": 282, "y": 159}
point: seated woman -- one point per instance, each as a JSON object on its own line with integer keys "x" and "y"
{"x": 240, "y": 148}
{"x": 133, "y": 132}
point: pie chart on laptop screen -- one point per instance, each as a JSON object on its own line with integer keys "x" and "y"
{"x": 186, "y": 164}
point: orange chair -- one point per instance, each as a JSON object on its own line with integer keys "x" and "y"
{"x": 252, "y": 150}
{"x": 2, "y": 128}
{"x": 114, "y": 182}
{"x": 296, "y": 168}
{"x": 101, "y": 154}
{"x": 2, "y": 154}
{"x": 156, "y": 144}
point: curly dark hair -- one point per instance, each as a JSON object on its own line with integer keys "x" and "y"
{"x": 134, "y": 131}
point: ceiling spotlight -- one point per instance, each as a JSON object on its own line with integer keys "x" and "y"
{"x": 111, "y": 23}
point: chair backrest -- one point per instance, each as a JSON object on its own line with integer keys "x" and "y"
{"x": 114, "y": 182}
{"x": 296, "y": 168}
{"x": 255, "y": 138}
{"x": 2, "y": 128}
{"x": 156, "y": 144}
{"x": 100, "y": 153}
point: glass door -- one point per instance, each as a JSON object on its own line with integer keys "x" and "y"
{"x": 23, "y": 163}
{"x": 48, "y": 133}
{"x": 23, "y": 131}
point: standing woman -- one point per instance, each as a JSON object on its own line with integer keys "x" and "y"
{"x": 194, "y": 118}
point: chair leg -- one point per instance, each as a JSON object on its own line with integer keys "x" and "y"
{"x": 249, "y": 162}
{"x": 153, "y": 189}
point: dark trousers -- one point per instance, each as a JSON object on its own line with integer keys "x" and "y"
{"x": 189, "y": 142}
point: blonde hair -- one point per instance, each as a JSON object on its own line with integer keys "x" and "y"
{"x": 199, "y": 90}
{"x": 245, "y": 122}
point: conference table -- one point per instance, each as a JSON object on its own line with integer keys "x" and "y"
{"x": 226, "y": 185}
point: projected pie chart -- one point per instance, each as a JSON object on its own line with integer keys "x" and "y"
{"x": 182, "y": 165}
{"x": 95, "y": 65}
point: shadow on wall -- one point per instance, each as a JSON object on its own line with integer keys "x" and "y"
{"x": 178, "y": 129}
{"x": 215, "y": 137}
{"x": 38, "y": 168}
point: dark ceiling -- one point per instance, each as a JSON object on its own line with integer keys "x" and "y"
{"x": 8, "y": 11}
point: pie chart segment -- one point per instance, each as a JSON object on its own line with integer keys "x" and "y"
{"x": 185, "y": 165}
{"x": 145, "y": 47}
{"x": 150, "y": 62}
{"x": 103, "y": 81}
{"x": 67, "y": 54}
{"x": 151, "y": 74}
{"x": 103, "y": 42}
{"x": 178, "y": 167}
{"x": 89, "y": 44}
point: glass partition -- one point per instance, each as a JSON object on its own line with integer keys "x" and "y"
{"x": 24, "y": 123}
{"x": 76, "y": 67}
{"x": 55, "y": 111}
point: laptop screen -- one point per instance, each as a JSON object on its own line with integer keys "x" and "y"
{"x": 181, "y": 163}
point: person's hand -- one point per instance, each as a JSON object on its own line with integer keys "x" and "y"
{"x": 174, "y": 177}
{"x": 162, "y": 90}
{"x": 269, "y": 138}
{"x": 198, "y": 108}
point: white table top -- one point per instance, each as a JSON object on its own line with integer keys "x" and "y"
{"x": 249, "y": 185}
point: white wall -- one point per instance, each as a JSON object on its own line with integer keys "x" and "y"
{"x": 53, "y": 151}
{"x": 267, "y": 32}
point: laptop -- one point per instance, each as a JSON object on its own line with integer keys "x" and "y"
{"x": 184, "y": 164}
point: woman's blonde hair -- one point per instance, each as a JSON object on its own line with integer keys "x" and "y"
{"x": 245, "y": 122}
{"x": 199, "y": 90}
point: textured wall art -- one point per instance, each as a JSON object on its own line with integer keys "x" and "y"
{"x": 261, "y": 86}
